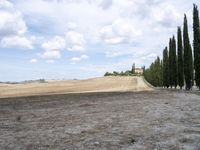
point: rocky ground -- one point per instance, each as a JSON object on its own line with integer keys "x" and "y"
{"x": 157, "y": 119}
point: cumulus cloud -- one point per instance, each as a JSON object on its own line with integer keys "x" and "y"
{"x": 71, "y": 26}
{"x": 16, "y": 42}
{"x": 4, "y": 4}
{"x": 11, "y": 22}
{"x": 84, "y": 56}
{"x": 75, "y": 41}
{"x": 33, "y": 60}
{"x": 57, "y": 43}
{"x": 114, "y": 54}
{"x": 149, "y": 56}
{"x": 120, "y": 31}
{"x": 100, "y": 26}
{"x": 77, "y": 59}
{"x": 12, "y": 27}
{"x": 52, "y": 48}
{"x": 105, "y": 4}
{"x": 51, "y": 55}
{"x": 166, "y": 15}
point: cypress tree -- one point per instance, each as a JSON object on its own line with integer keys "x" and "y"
{"x": 165, "y": 68}
{"x": 192, "y": 67}
{"x": 161, "y": 73}
{"x": 196, "y": 44}
{"x": 180, "y": 59}
{"x": 154, "y": 73}
{"x": 170, "y": 64}
{"x": 174, "y": 64}
{"x": 188, "y": 62}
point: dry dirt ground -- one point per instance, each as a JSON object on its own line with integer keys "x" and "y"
{"x": 103, "y": 84}
{"x": 149, "y": 120}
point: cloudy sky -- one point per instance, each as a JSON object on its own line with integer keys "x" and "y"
{"x": 66, "y": 39}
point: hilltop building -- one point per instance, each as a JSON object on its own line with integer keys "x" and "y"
{"x": 137, "y": 70}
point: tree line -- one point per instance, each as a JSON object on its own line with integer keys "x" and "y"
{"x": 115, "y": 73}
{"x": 180, "y": 66}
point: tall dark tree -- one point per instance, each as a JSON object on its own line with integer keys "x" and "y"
{"x": 157, "y": 72}
{"x": 188, "y": 61}
{"x": 161, "y": 73}
{"x": 170, "y": 64}
{"x": 154, "y": 73}
{"x": 165, "y": 68}
{"x": 180, "y": 59}
{"x": 174, "y": 62}
{"x": 196, "y": 44}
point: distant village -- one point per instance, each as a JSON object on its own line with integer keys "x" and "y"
{"x": 133, "y": 72}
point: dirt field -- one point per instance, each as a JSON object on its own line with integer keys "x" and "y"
{"x": 103, "y": 84}
{"x": 162, "y": 120}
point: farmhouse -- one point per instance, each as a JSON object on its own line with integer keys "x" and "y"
{"x": 137, "y": 70}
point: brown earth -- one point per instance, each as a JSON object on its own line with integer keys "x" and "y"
{"x": 103, "y": 116}
{"x": 103, "y": 84}
{"x": 159, "y": 119}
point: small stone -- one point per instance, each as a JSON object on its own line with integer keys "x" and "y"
{"x": 96, "y": 143}
{"x": 133, "y": 141}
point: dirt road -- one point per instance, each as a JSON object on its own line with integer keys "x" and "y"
{"x": 103, "y": 84}
{"x": 148, "y": 120}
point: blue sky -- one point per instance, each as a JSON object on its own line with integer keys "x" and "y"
{"x": 67, "y": 39}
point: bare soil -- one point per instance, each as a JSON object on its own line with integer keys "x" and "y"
{"x": 148, "y": 120}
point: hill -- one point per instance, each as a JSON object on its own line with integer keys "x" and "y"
{"x": 102, "y": 84}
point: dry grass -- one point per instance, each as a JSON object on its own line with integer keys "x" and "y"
{"x": 103, "y": 84}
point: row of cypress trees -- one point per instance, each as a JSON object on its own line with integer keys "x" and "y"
{"x": 196, "y": 44}
{"x": 180, "y": 66}
{"x": 154, "y": 73}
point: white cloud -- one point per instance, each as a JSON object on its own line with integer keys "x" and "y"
{"x": 12, "y": 27}
{"x": 11, "y": 22}
{"x": 76, "y": 48}
{"x": 33, "y": 60}
{"x": 166, "y": 15}
{"x": 57, "y": 43}
{"x": 140, "y": 28}
{"x": 149, "y": 56}
{"x": 75, "y": 41}
{"x": 50, "y": 61}
{"x": 120, "y": 31}
{"x": 16, "y": 42}
{"x": 71, "y": 25}
{"x": 84, "y": 57}
{"x": 51, "y": 55}
{"x": 52, "y": 49}
{"x": 105, "y": 4}
{"x": 113, "y": 54}
{"x": 5, "y": 4}
{"x": 77, "y": 59}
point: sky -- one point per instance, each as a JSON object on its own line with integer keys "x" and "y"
{"x": 79, "y": 39}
